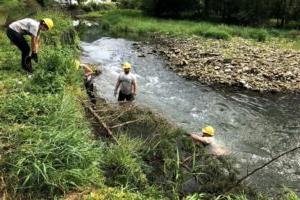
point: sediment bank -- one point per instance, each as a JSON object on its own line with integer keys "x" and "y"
{"x": 238, "y": 62}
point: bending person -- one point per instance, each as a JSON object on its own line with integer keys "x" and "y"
{"x": 16, "y": 32}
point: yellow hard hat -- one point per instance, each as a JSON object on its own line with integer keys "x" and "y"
{"x": 209, "y": 130}
{"x": 126, "y": 65}
{"x": 49, "y": 23}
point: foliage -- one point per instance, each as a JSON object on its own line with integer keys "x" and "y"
{"x": 123, "y": 163}
{"x": 129, "y": 4}
{"x": 132, "y": 22}
{"x": 93, "y": 6}
{"x": 117, "y": 194}
{"x": 55, "y": 70}
{"x": 54, "y": 158}
{"x": 216, "y": 34}
{"x": 45, "y": 147}
{"x": 244, "y": 12}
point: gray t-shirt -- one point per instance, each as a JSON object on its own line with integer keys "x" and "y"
{"x": 127, "y": 81}
{"x": 26, "y": 26}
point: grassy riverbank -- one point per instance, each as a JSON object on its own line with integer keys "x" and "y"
{"x": 133, "y": 21}
{"x": 48, "y": 151}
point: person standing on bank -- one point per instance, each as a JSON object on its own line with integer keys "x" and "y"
{"x": 127, "y": 84}
{"x": 16, "y": 32}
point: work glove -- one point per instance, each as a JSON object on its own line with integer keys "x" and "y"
{"x": 34, "y": 56}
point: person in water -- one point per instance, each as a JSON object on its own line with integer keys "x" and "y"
{"x": 16, "y": 32}
{"x": 206, "y": 138}
{"x": 89, "y": 75}
{"x": 127, "y": 84}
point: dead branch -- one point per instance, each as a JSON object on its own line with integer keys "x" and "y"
{"x": 126, "y": 123}
{"x": 102, "y": 123}
{"x": 261, "y": 167}
{"x": 122, "y": 113}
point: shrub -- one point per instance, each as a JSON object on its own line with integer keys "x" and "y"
{"x": 216, "y": 34}
{"x": 93, "y": 6}
{"x": 123, "y": 163}
{"x": 260, "y": 35}
{"x": 55, "y": 70}
{"x": 25, "y": 108}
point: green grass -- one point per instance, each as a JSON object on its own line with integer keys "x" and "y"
{"x": 133, "y": 21}
{"x": 46, "y": 149}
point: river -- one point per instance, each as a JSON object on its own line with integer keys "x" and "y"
{"x": 255, "y": 127}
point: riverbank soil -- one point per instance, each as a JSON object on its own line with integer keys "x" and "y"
{"x": 238, "y": 62}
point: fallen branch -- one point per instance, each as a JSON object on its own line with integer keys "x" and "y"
{"x": 261, "y": 167}
{"x": 102, "y": 123}
{"x": 126, "y": 123}
{"x": 122, "y": 113}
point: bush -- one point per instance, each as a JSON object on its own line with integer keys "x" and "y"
{"x": 216, "y": 34}
{"x": 129, "y": 4}
{"x": 123, "y": 164}
{"x": 260, "y": 35}
{"x": 24, "y": 108}
{"x": 93, "y": 6}
{"x": 55, "y": 70}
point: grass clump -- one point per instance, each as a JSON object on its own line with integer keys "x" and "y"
{"x": 216, "y": 34}
{"x": 123, "y": 163}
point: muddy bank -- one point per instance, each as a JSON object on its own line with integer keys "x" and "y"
{"x": 238, "y": 62}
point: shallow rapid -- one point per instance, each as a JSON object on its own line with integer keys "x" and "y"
{"x": 254, "y": 127}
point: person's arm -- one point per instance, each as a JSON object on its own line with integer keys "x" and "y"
{"x": 134, "y": 87}
{"x": 117, "y": 87}
{"x": 203, "y": 140}
{"x": 34, "y": 44}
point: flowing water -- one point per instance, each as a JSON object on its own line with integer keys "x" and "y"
{"x": 254, "y": 127}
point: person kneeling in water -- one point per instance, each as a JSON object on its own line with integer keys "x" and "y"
{"x": 89, "y": 75}
{"x": 207, "y": 139}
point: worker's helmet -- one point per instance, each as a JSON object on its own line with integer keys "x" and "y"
{"x": 49, "y": 23}
{"x": 209, "y": 130}
{"x": 126, "y": 65}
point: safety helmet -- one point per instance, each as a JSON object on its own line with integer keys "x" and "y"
{"x": 209, "y": 130}
{"x": 48, "y": 22}
{"x": 126, "y": 65}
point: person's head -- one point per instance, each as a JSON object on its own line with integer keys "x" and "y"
{"x": 126, "y": 67}
{"x": 208, "y": 131}
{"x": 46, "y": 24}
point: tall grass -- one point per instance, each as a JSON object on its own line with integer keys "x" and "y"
{"x": 46, "y": 149}
{"x": 136, "y": 21}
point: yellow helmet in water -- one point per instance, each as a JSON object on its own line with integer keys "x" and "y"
{"x": 209, "y": 130}
{"x": 49, "y": 23}
{"x": 126, "y": 65}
